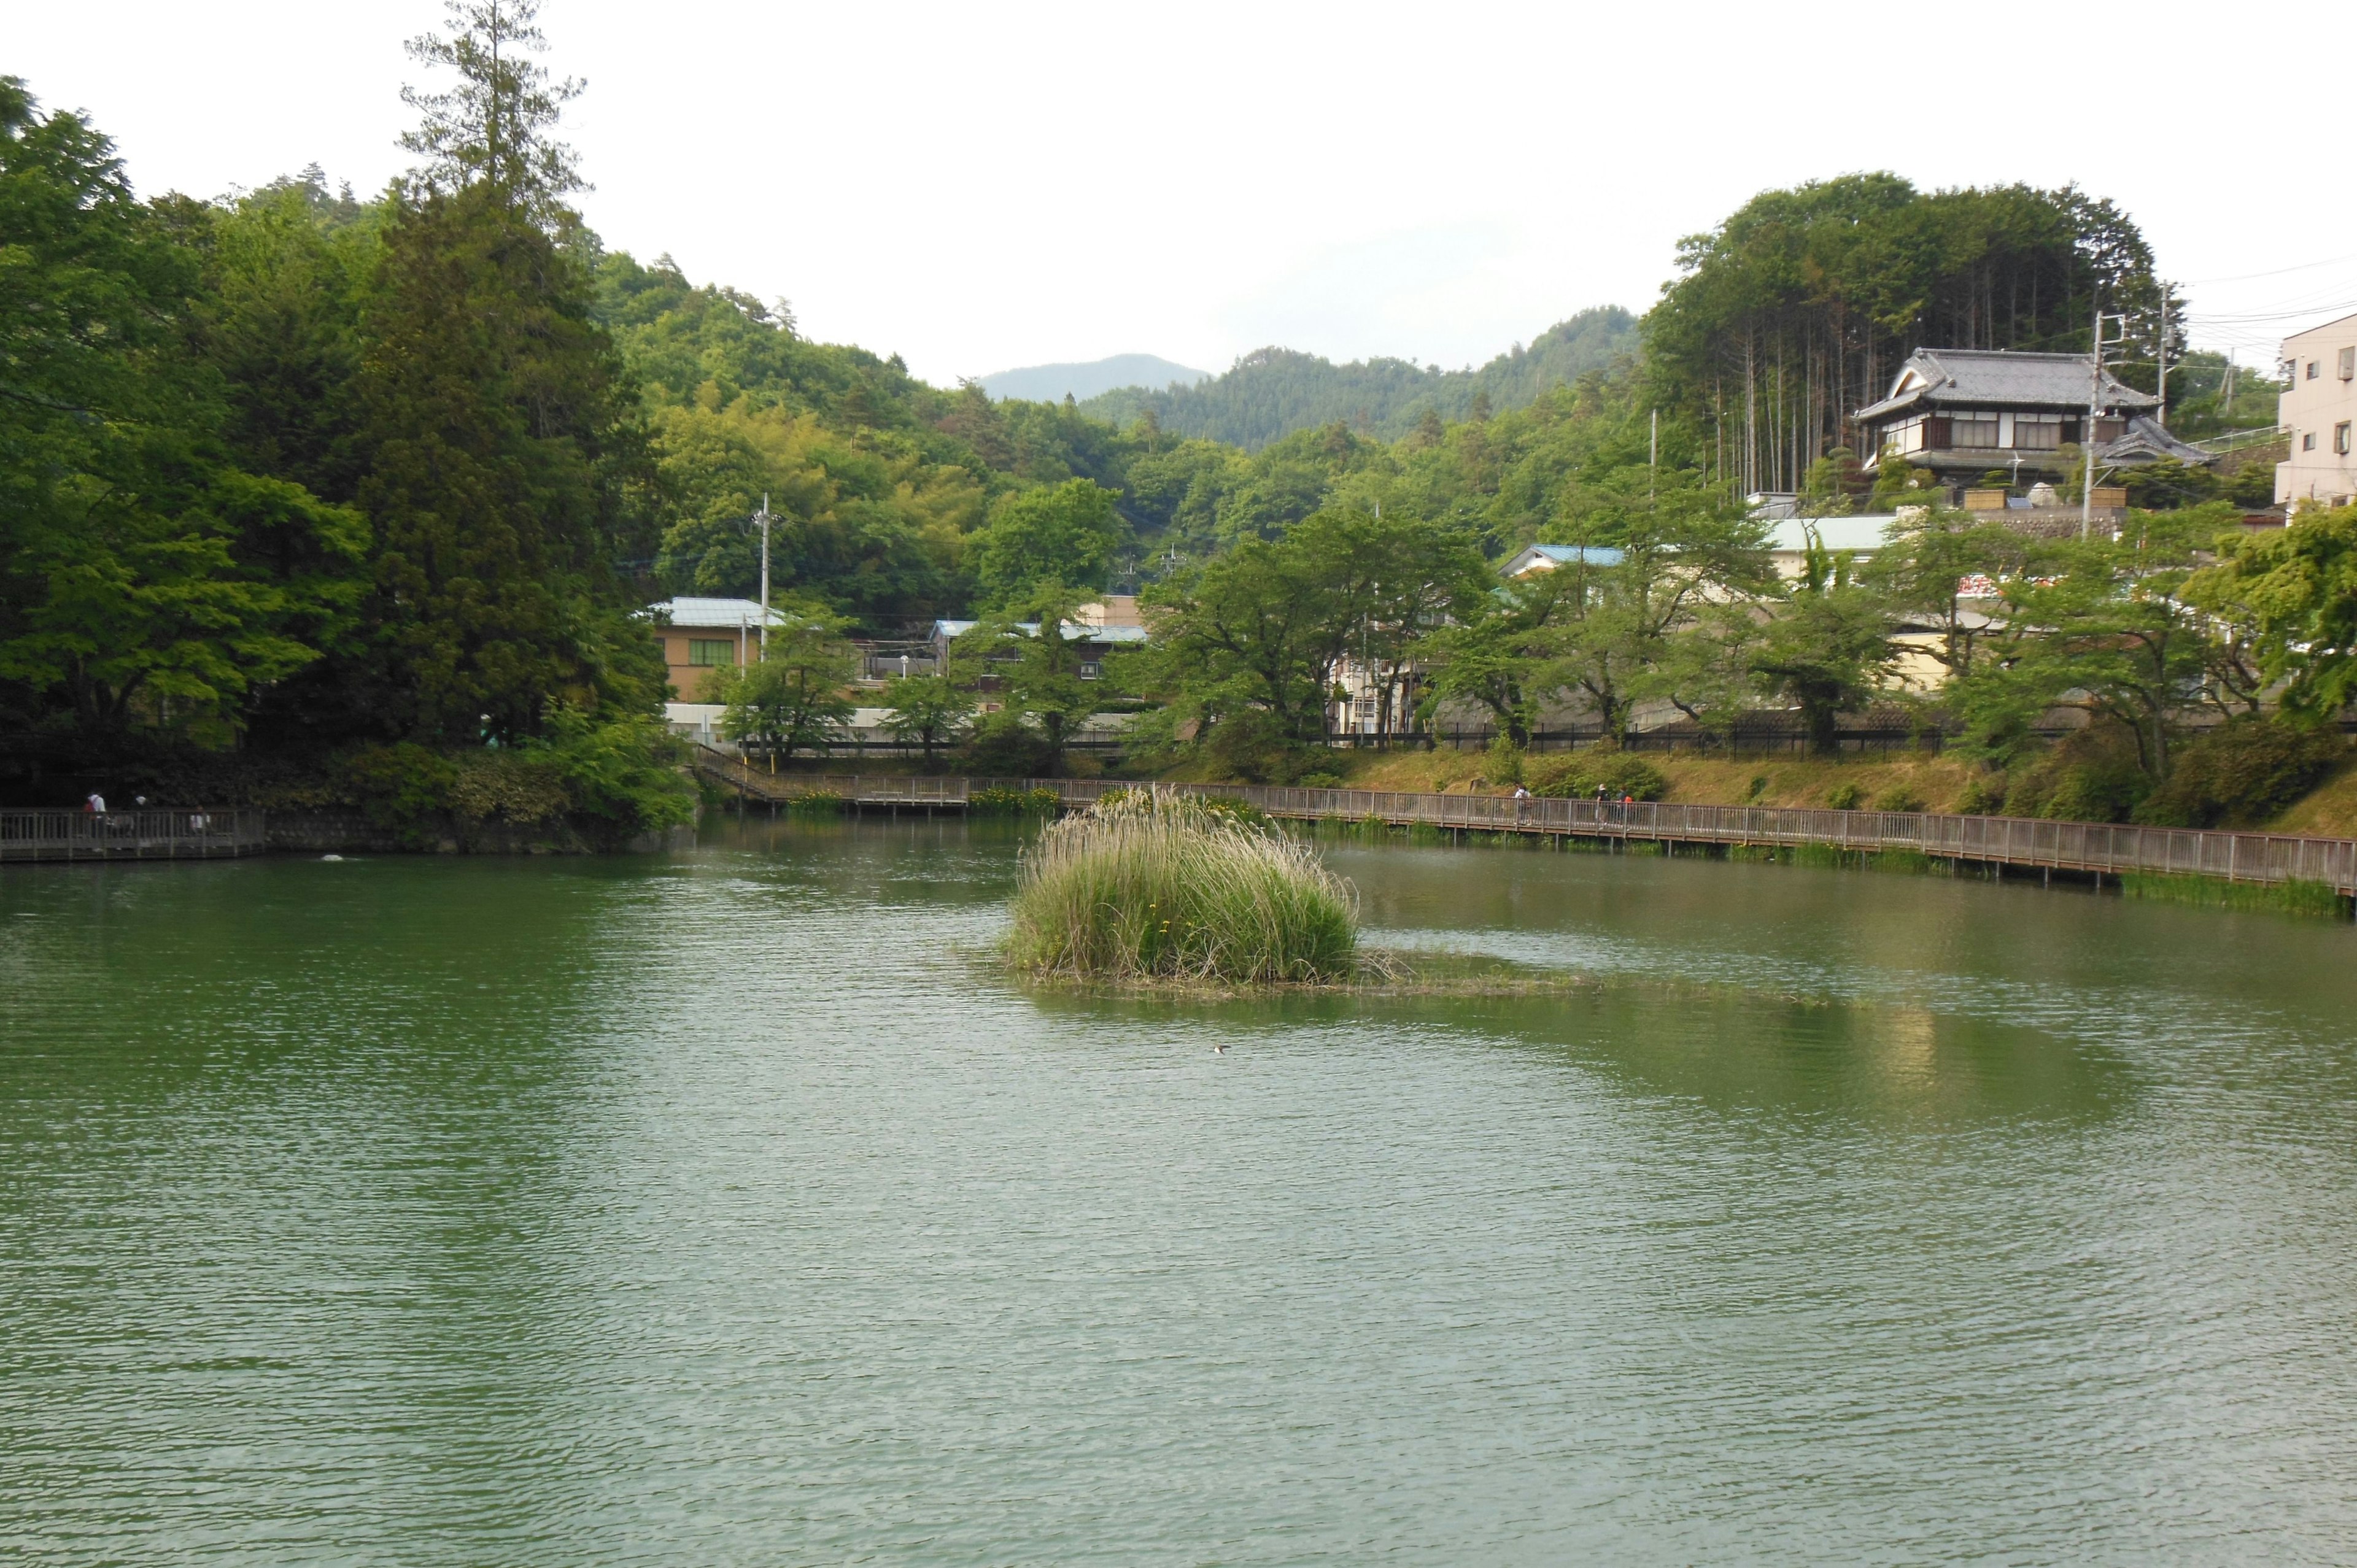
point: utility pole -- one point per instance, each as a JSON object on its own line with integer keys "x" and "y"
{"x": 2095, "y": 412}
{"x": 762, "y": 517}
{"x": 1653, "y": 456}
{"x": 2162, "y": 412}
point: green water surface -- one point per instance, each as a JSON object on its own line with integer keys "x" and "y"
{"x": 722, "y": 1207}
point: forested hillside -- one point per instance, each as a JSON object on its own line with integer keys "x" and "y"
{"x": 1270, "y": 393}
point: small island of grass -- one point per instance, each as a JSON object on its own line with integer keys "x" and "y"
{"x": 1159, "y": 886}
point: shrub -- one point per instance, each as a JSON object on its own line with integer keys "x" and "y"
{"x": 2089, "y": 776}
{"x": 1982, "y": 797}
{"x": 1232, "y": 810}
{"x": 1503, "y": 764}
{"x": 401, "y": 785}
{"x": 1898, "y": 797}
{"x": 2240, "y": 774}
{"x": 999, "y": 802}
{"x": 814, "y": 803}
{"x": 622, "y": 773}
{"x": 521, "y": 787}
{"x": 1846, "y": 795}
{"x": 1164, "y": 887}
{"x": 1321, "y": 781}
{"x": 1001, "y": 746}
{"x": 1579, "y": 773}
{"x": 1252, "y": 747}
{"x": 1759, "y": 787}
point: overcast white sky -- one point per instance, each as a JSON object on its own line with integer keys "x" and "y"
{"x": 985, "y": 187}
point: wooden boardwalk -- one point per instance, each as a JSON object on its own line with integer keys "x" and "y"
{"x": 2099, "y": 849}
{"x": 185, "y": 833}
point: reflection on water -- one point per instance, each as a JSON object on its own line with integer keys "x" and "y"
{"x": 727, "y": 1207}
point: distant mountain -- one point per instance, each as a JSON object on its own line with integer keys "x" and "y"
{"x": 1049, "y": 384}
{"x": 1275, "y": 392}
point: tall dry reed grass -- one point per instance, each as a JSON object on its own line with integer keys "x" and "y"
{"x": 1159, "y": 886}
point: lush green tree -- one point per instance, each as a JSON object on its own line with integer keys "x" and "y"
{"x": 1060, "y": 536}
{"x": 1414, "y": 577}
{"x": 144, "y": 576}
{"x": 927, "y": 709}
{"x": 1631, "y": 626}
{"x": 1031, "y": 651}
{"x": 288, "y": 272}
{"x": 2296, "y": 590}
{"x": 2208, "y": 395}
{"x": 1500, "y": 658}
{"x": 1258, "y": 631}
{"x": 2098, "y": 625}
{"x": 1826, "y": 647}
{"x": 792, "y": 698}
{"x": 1941, "y": 570}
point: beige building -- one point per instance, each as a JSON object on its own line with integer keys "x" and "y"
{"x": 701, "y": 636}
{"x": 2320, "y": 412}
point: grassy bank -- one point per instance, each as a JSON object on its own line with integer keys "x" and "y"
{"x": 1937, "y": 782}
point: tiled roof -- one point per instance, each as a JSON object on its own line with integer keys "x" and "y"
{"x": 2144, "y": 440}
{"x": 1999, "y": 378}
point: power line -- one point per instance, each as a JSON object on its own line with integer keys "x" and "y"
{"x": 2279, "y": 271}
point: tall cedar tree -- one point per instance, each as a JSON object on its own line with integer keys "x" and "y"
{"x": 497, "y": 421}
{"x": 497, "y": 432}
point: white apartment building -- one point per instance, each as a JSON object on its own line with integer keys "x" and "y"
{"x": 2319, "y": 411}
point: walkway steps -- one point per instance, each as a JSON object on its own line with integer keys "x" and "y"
{"x": 2100, "y": 848}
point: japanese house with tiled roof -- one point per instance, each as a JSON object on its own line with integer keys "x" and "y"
{"x": 1963, "y": 411}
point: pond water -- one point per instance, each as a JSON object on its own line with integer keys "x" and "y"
{"x": 725, "y": 1207}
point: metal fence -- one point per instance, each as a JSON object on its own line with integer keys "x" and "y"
{"x": 185, "y": 833}
{"x": 2100, "y": 847}
{"x": 2011, "y": 841}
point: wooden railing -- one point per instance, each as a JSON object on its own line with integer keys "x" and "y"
{"x": 2101, "y": 847}
{"x": 184, "y": 832}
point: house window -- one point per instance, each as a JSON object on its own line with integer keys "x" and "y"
{"x": 1973, "y": 430}
{"x": 2308, "y": 441}
{"x": 703, "y": 650}
{"x": 2037, "y": 432}
{"x": 2312, "y": 367}
{"x": 2348, "y": 364}
{"x": 1091, "y": 670}
{"x": 2341, "y": 438}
